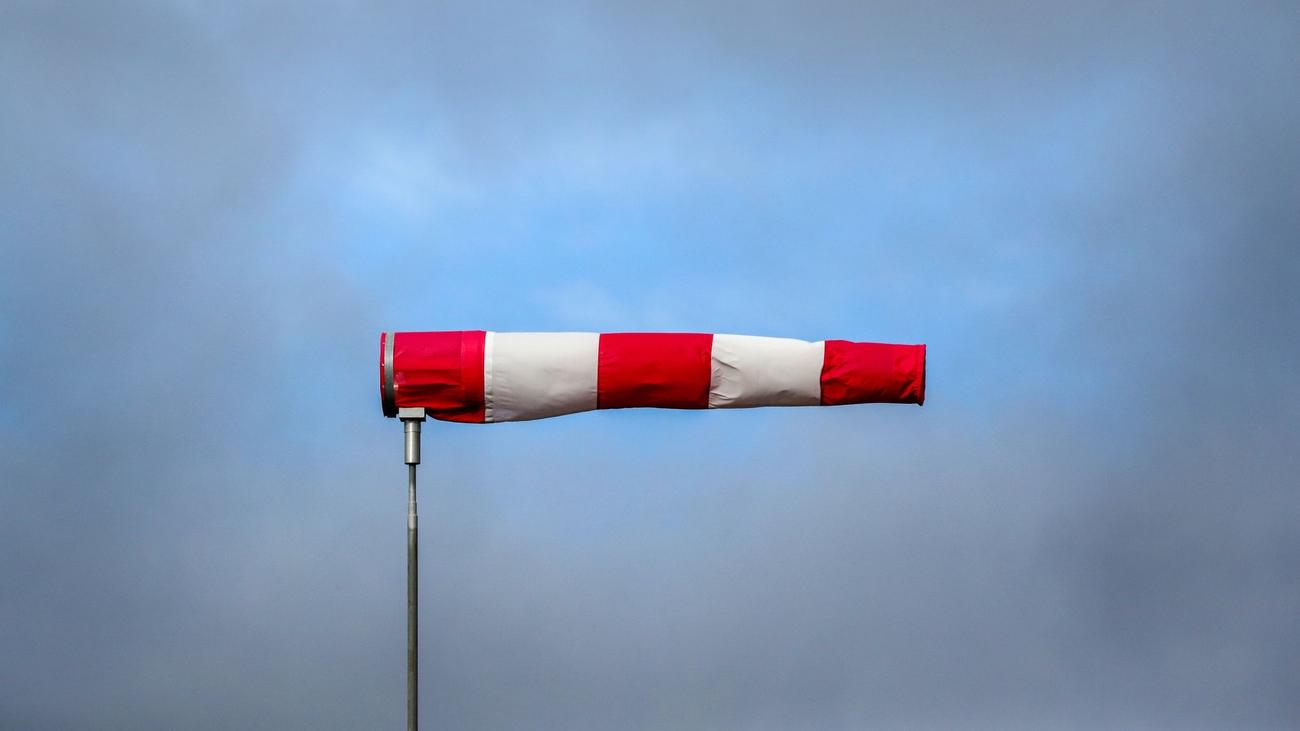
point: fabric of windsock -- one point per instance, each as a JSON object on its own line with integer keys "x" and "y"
{"x": 483, "y": 377}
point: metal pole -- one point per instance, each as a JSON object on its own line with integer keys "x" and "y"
{"x": 412, "y": 607}
{"x": 411, "y": 420}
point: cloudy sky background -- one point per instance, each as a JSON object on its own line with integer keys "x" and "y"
{"x": 1090, "y": 213}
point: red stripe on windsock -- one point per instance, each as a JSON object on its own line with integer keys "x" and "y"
{"x": 441, "y": 372}
{"x": 667, "y": 370}
{"x": 865, "y": 373}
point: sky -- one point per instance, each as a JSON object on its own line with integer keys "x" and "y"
{"x": 1088, "y": 211}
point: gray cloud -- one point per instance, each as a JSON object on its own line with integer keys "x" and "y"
{"x": 1088, "y": 212}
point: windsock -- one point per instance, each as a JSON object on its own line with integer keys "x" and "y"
{"x": 484, "y": 377}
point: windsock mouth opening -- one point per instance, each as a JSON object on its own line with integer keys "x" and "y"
{"x": 387, "y": 391}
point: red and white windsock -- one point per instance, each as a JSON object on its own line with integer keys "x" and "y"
{"x": 483, "y": 377}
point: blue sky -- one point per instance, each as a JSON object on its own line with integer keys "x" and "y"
{"x": 1087, "y": 213}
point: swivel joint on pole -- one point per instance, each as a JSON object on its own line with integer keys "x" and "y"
{"x": 411, "y": 420}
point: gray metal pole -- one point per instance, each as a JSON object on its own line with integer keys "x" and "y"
{"x": 412, "y": 607}
{"x": 411, "y": 420}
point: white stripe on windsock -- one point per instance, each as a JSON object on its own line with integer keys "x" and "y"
{"x": 536, "y": 375}
{"x": 760, "y": 371}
